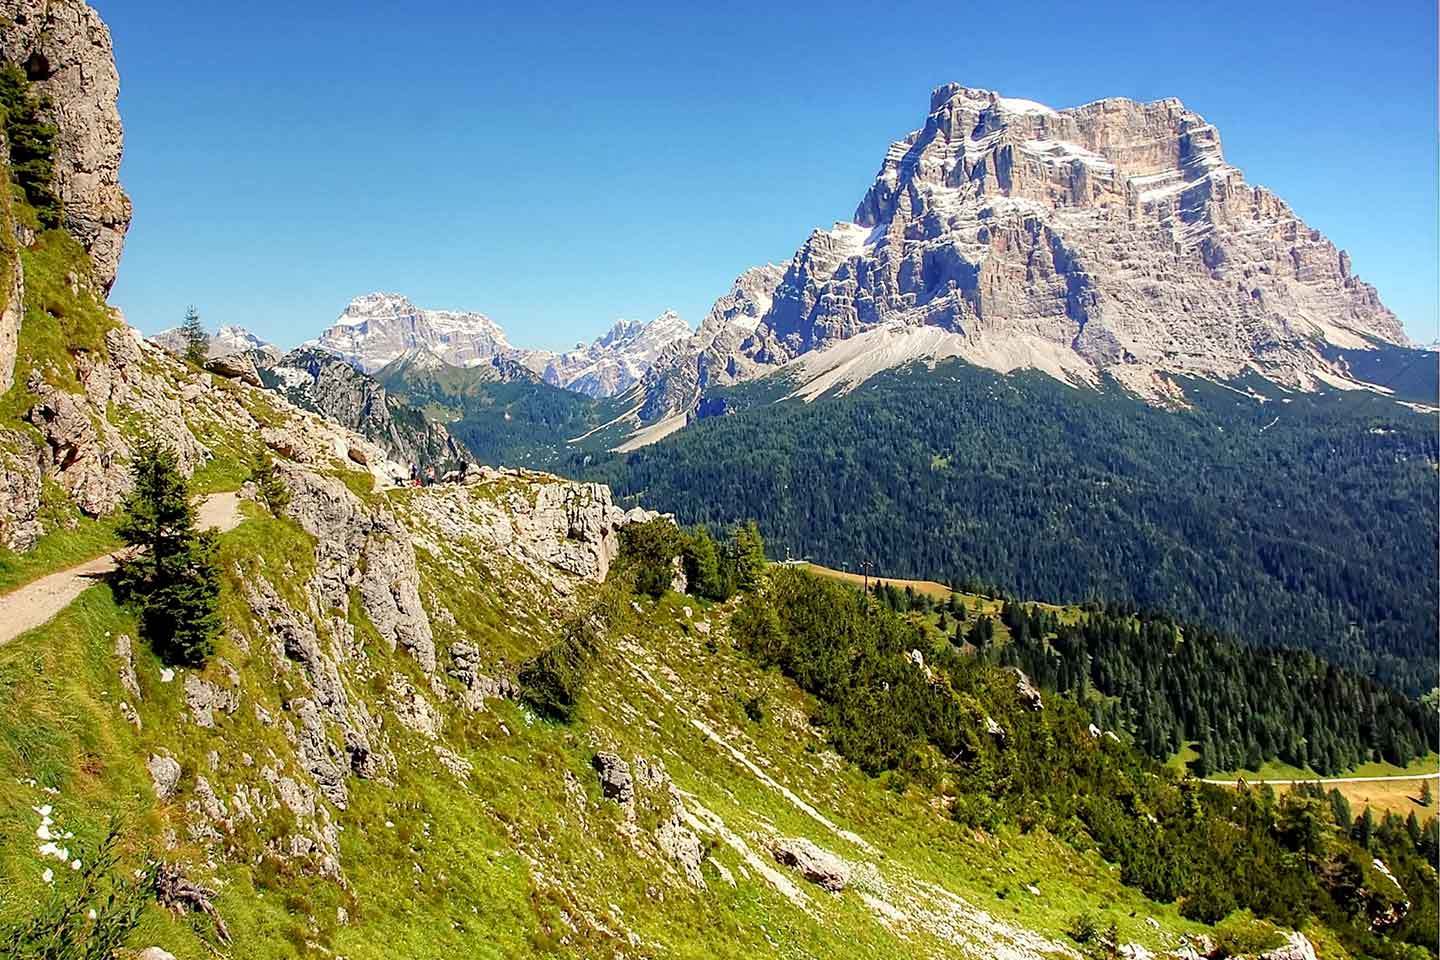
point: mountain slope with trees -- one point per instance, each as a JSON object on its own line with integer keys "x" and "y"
{"x": 1286, "y": 519}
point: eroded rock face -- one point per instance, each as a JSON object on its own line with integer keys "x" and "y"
{"x": 366, "y": 548}
{"x": 65, "y": 49}
{"x": 20, "y": 462}
{"x": 12, "y": 296}
{"x": 1110, "y": 238}
{"x": 1115, "y": 230}
{"x": 546, "y": 524}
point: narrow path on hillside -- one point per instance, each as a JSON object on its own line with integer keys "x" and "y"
{"x": 1322, "y": 780}
{"x": 27, "y": 607}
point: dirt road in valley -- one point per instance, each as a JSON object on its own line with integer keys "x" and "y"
{"x": 35, "y": 603}
{"x": 1325, "y": 780}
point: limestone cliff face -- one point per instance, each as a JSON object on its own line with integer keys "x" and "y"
{"x": 1111, "y": 238}
{"x": 1115, "y": 231}
{"x": 65, "y": 49}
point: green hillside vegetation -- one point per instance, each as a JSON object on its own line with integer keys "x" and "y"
{"x": 503, "y": 415}
{"x": 1170, "y": 687}
{"x": 925, "y": 727}
{"x": 1302, "y": 521}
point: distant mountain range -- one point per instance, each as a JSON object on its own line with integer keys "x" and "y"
{"x": 380, "y": 328}
{"x": 224, "y": 342}
{"x": 1107, "y": 243}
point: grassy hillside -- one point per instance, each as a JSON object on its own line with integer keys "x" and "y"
{"x": 520, "y": 856}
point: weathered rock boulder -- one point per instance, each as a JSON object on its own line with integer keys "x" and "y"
{"x": 235, "y": 366}
{"x": 164, "y": 774}
{"x": 814, "y": 862}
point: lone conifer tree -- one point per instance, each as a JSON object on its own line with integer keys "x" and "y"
{"x": 197, "y": 341}
{"x": 171, "y": 574}
{"x": 268, "y": 482}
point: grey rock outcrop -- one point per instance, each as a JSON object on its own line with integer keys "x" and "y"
{"x": 164, "y": 774}
{"x": 65, "y": 49}
{"x": 20, "y": 474}
{"x": 616, "y": 781}
{"x": 235, "y": 366}
{"x": 320, "y": 381}
{"x": 205, "y": 699}
{"x": 815, "y": 863}
{"x": 1026, "y": 691}
{"x": 365, "y": 548}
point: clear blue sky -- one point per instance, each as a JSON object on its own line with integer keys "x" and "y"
{"x": 558, "y": 166}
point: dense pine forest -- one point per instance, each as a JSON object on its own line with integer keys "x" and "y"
{"x": 1306, "y": 520}
{"x": 1165, "y": 684}
{"x": 995, "y": 750}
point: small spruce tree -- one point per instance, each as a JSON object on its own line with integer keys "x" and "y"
{"x": 269, "y": 485}
{"x": 32, "y": 144}
{"x": 197, "y": 341}
{"x": 747, "y": 555}
{"x": 171, "y": 573}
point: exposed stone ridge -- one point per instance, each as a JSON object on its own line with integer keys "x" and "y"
{"x": 65, "y": 49}
{"x": 314, "y": 379}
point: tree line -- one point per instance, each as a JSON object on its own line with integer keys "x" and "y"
{"x": 1316, "y": 533}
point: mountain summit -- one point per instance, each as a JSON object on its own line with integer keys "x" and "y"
{"x": 380, "y": 327}
{"x": 1110, "y": 238}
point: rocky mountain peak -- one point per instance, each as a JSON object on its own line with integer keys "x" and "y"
{"x": 620, "y": 358}
{"x": 1112, "y": 237}
{"x": 377, "y": 328}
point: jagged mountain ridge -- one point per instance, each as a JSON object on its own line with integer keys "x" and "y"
{"x": 1111, "y": 239}
{"x": 380, "y": 328}
{"x": 619, "y": 358}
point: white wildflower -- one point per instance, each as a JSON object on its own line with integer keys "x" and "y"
{"x": 48, "y": 876}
